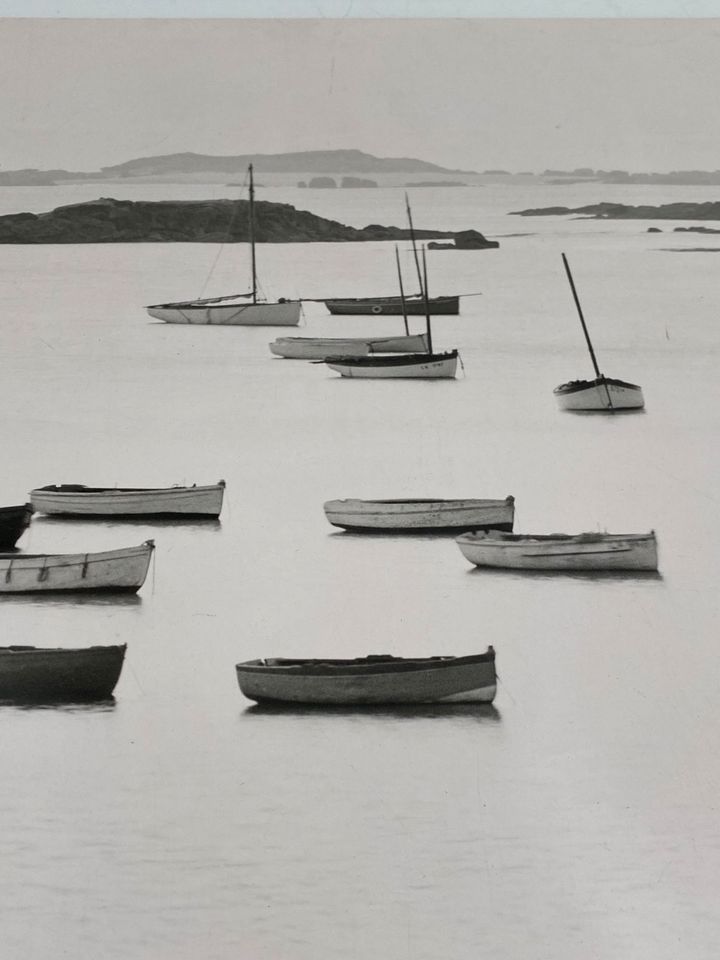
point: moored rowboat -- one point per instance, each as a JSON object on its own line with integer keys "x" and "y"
{"x": 80, "y": 501}
{"x": 112, "y": 570}
{"x": 393, "y": 306}
{"x": 603, "y": 393}
{"x": 318, "y": 348}
{"x": 13, "y": 523}
{"x": 557, "y": 551}
{"x": 421, "y": 516}
{"x": 414, "y": 366}
{"x": 37, "y": 674}
{"x": 371, "y": 680}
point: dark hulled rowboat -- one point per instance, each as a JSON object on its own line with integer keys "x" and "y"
{"x": 13, "y": 523}
{"x": 393, "y": 306}
{"x": 54, "y": 675}
{"x": 370, "y": 680}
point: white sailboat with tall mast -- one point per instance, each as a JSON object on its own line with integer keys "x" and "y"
{"x": 603, "y": 394}
{"x": 239, "y": 309}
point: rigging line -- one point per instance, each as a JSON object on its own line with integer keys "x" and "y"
{"x": 233, "y": 216}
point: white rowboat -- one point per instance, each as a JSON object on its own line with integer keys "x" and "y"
{"x": 318, "y": 348}
{"x": 80, "y": 501}
{"x": 557, "y": 551}
{"x": 412, "y": 366}
{"x": 373, "y": 680}
{"x": 113, "y": 570}
{"x": 421, "y": 516}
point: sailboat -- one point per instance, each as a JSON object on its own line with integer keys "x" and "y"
{"x": 604, "y": 394}
{"x": 416, "y": 366}
{"x": 318, "y": 348}
{"x": 239, "y": 309}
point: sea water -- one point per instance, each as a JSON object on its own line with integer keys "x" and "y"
{"x": 576, "y": 818}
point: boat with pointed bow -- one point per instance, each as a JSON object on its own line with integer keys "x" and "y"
{"x": 373, "y": 680}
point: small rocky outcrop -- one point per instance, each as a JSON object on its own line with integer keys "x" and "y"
{"x": 322, "y": 183}
{"x": 352, "y": 182}
{"x": 466, "y": 240}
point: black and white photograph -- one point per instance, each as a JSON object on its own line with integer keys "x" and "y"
{"x": 359, "y": 520}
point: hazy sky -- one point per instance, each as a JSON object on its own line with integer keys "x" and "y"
{"x": 472, "y": 94}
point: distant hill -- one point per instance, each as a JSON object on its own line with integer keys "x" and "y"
{"x": 309, "y": 161}
{"x": 197, "y": 166}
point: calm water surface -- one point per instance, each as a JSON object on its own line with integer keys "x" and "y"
{"x": 577, "y": 818}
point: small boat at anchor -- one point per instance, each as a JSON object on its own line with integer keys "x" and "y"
{"x": 118, "y": 571}
{"x": 318, "y": 348}
{"x": 559, "y": 551}
{"x": 77, "y": 500}
{"x": 421, "y": 516}
{"x": 373, "y": 680}
{"x": 239, "y": 309}
{"x": 411, "y": 366}
{"x": 603, "y": 394}
{"x": 56, "y": 675}
{"x": 14, "y": 521}
{"x": 393, "y": 306}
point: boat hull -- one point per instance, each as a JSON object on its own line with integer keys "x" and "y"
{"x": 392, "y": 306}
{"x": 436, "y": 366}
{"x": 318, "y": 348}
{"x": 14, "y": 521}
{"x": 283, "y": 314}
{"x": 34, "y": 674}
{"x": 420, "y": 516}
{"x": 119, "y": 571}
{"x": 179, "y": 502}
{"x": 371, "y": 681}
{"x": 602, "y": 395}
{"x": 556, "y": 552}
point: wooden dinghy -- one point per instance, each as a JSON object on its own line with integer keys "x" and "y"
{"x": 413, "y": 366}
{"x": 558, "y": 551}
{"x": 393, "y": 306}
{"x": 421, "y": 516}
{"x": 54, "y": 675}
{"x": 371, "y": 680}
{"x": 77, "y": 500}
{"x": 120, "y": 571}
{"x": 603, "y": 394}
{"x": 318, "y": 348}
{"x": 14, "y": 521}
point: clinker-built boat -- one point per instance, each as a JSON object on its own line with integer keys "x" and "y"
{"x": 120, "y": 571}
{"x": 557, "y": 551}
{"x": 421, "y": 516}
{"x": 318, "y": 348}
{"x": 55, "y": 675}
{"x": 373, "y": 680}
{"x": 77, "y": 500}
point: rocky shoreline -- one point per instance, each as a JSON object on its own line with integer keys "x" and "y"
{"x": 197, "y": 221}
{"x": 621, "y": 211}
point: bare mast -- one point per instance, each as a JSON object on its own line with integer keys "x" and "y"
{"x": 252, "y": 234}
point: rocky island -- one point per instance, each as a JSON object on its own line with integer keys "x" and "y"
{"x": 197, "y": 221}
{"x": 621, "y": 211}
